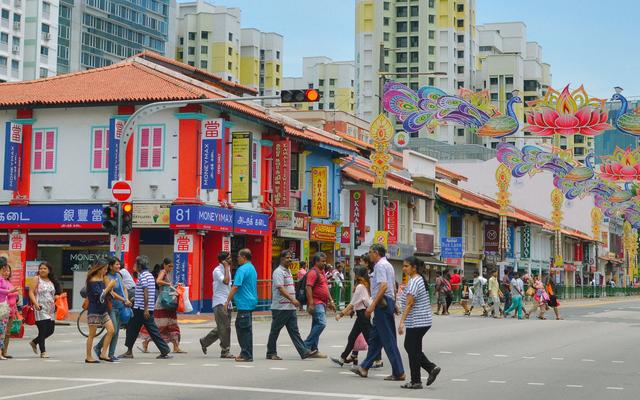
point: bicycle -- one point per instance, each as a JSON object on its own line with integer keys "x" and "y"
{"x": 83, "y": 328}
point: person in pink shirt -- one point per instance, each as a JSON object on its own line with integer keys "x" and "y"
{"x": 8, "y": 294}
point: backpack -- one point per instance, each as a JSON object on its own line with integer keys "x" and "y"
{"x": 301, "y": 287}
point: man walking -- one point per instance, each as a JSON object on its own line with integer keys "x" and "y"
{"x": 495, "y": 293}
{"x": 222, "y": 314}
{"x": 245, "y": 292}
{"x": 318, "y": 300}
{"x": 143, "y": 311}
{"x": 338, "y": 281}
{"x": 283, "y": 310}
{"x": 383, "y": 330}
{"x": 517, "y": 292}
{"x": 478, "y": 294}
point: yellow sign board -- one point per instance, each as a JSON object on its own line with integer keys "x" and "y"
{"x": 241, "y": 167}
{"x": 319, "y": 192}
{"x": 381, "y": 237}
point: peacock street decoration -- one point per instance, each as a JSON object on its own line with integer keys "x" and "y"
{"x": 625, "y": 120}
{"x": 501, "y": 126}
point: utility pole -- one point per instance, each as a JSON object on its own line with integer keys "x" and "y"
{"x": 352, "y": 250}
{"x": 381, "y": 81}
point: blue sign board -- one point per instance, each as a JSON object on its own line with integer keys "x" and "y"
{"x": 451, "y": 247}
{"x": 201, "y": 217}
{"x": 87, "y": 216}
{"x": 180, "y": 268}
{"x": 250, "y": 222}
{"x": 12, "y": 147}
{"x": 212, "y": 154}
{"x": 115, "y": 132}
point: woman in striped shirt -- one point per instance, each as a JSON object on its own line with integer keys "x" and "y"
{"x": 417, "y": 319}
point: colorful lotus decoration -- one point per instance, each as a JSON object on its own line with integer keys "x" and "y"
{"x": 567, "y": 113}
{"x": 622, "y": 165}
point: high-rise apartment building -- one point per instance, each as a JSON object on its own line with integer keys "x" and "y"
{"x": 261, "y": 61}
{"x": 95, "y": 33}
{"x": 333, "y": 79}
{"x": 508, "y": 62}
{"x": 28, "y": 39}
{"x": 423, "y": 42}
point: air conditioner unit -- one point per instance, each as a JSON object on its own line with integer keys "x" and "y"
{"x": 16, "y": 49}
{"x": 46, "y": 36}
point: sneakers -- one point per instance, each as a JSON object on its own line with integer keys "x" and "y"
{"x": 165, "y": 356}
{"x": 412, "y": 385}
{"x": 203, "y": 347}
{"x": 339, "y": 361}
{"x": 433, "y": 375}
{"x": 311, "y": 353}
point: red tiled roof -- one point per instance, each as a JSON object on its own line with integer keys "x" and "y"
{"x": 360, "y": 175}
{"x": 123, "y": 82}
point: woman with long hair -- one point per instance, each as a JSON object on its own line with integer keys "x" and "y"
{"x": 98, "y": 287}
{"x": 120, "y": 300}
{"x": 553, "y": 299}
{"x": 166, "y": 318}
{"x": 8, "y": 294}
{"x": 42, "y": 291}
{"x": 359, "y": 302}
{"x": 417, "y": 319}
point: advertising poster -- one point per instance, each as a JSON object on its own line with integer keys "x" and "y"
{"x": 319, "y": 192}
{"x": 241, "y": 167}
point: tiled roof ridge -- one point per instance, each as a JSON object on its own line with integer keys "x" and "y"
{"x": 69, "y": 75}
{"x": 173, "y": 80}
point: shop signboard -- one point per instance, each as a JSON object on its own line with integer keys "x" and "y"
{"x": 115, "y": 133}
{"x": 391, "y": 220}
{"x": 201, "y": 217}
{"x": 80, "y": 260}
{"x": 281, "y": 172}
{"x": 323, "y": 232}
{"x": 151, "y": 214}
{"x": 17, "y": 241}
{"x": 241, "y": 167}
{"x": 491, "y": 238}
{"x": 181, "y": 270}
{"x": 71, "y": 216}
{"x": 358, "y": 209}
{"x": 113, "y": 246}
{"x": 297, "y": 229}
{"x": 345, "y": 235}
{"x": 319, "y": 192}
{"x": 381, "y": 237}
{"x": 451, "y": 247}
{"x": 212, "y": 154}
{"x": 12, "y": 158}
{"x": 251, "y": 223}
{"x": 284, "y": 219}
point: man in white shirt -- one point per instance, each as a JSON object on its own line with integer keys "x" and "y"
{"x": 338, "y": 279}
{"x": 221, "y": 288}
{"x": 129, "y": 283}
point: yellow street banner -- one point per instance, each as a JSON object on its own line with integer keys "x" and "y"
{"x": 381, "y": 132}
{"x": 319, "y": 192}
{"x": 381, "y": 237}
{"x": 241, "y": 167}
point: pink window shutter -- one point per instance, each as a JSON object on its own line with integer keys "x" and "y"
{"x": 156, "y": 161}
{"x": 144, "y": 147}
{"x": 97, "y": 149}
{"x": 37, "y": 151}
{"x": 50, "y": 154}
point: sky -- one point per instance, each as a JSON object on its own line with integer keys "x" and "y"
{"x": 586, "y": 42}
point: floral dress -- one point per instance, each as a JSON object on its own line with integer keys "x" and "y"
{"x": 45, "y": 295}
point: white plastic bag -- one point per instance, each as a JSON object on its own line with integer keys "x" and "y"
{"x": 187, "y": 304}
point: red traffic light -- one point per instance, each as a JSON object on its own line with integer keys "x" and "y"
{"x": 312, "y": 95}
{"x": 300, "y": 96}
{"x": 127, "y": 208}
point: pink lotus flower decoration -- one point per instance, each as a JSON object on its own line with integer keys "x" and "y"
{"x": 622, "y": 165}
{"x": 567, "y": 113}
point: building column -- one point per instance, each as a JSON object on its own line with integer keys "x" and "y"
{"x": 125, "y": 111}
{"x": 23, "y": 191}
{"x": 189, "y": 154}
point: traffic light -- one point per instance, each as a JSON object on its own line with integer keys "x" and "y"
{"x": 299, "y": 96}
{"x": 110, "y": 219}
{"x": 356, "y": 239}
{"x": 127, "y": 218}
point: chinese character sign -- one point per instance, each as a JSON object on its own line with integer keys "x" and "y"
{"x": 281, "y": 172}
{"x": 319, "y": 192}
{"x": 183, "y": 244}
{"x": 241, "y": 168}
{"x": 391, "y": 221}
{"x": 17, "y": 242}
{"x": 12, "y": 158}
{"x": 115, "y": 133}
{"x": 357, "y": 210}
{"x": 212, "y": 154}
{"x": 124, "y": 243}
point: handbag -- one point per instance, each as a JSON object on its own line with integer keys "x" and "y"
{"x": 180, "y": 299}
{"x": 167, "y": 299}
{"x": 62, "y": 307}
{"x": 15, "y": 327}
{"x": 360, "y": 343}
{"x": 29, "y": 314}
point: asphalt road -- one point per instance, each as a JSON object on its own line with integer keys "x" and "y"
{"x": 592, "y": 354}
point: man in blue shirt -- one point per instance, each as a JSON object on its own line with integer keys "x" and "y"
{"x": 245, "y": 293}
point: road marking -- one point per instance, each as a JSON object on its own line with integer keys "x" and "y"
{"x": 284, "y": 345}
{"x": 312, "y": 370}
{"x": 381, "y": 375}
{"x": 278, "y": 369}
{"x": 459, "y": 380}
{"x": 500, "y": 355}
{"x": 574, "y": 386}
{"x": 614, "y": 388}
{"x": 210, "y": 365}
{"x": 336, "y": 347}
{"x": 446, "y": 352}
{"x": 558, "y": 358}
{"x": 473, "y": 354}
{"x": 52, "y": 360}
{"x": 244, "y": 366}
{"x": 617, "y": 362}
{"x": 208, "y": 387}
{"x": 177, "y": 364}
{"x": 535, "y": 383}
{"x": 528, "y": 357}
{"x": 15, "y": 396}
{"x": 587, "y": 360}
{"x": 145, "y": 363}
{"x": 346, "y": 373}
{"x": 497, "y": 382}
{"x": 21, "y": 359}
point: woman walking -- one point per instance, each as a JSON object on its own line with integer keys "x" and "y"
{"x": 166, "y": 317}
{"x": 97, "y": 313}
{"x": 417, "y": 319}
{"x": 553, "y": 300}
{"x": 359, "y": 302}
{"x": 42, "y": 291}
{"x": 120, "y": 301}
{"x": 8, "y": 294}
{"x": 540, "y": 298}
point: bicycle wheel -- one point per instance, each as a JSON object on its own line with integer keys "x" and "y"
{"x": 83, "y": 327}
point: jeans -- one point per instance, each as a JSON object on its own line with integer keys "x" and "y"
{"x": 496, "y": 305}
{"x": 222, "y": 330}
{"x": 383, "y": 335}
{"x": 115, "y": 318}
{"x": 318, "y": 323}
{"x": 45, "y": 329}
{"x": 360, "y": 325}
{"x": 516, "y": 304}
{"x": 244, "y": 331}
{"x": 507, "y": 298}
{"x": 280, "y": 319}
{"x": 417, "y": 359}
{"x": 133, "y": 330}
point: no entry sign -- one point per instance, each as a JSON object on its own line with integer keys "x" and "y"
{"x": 121, "y": 191}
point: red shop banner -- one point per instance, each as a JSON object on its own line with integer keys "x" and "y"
{"x": 281, "y": 172}
{"x": 358, "y": 209}
{"x": 391, "y": 221}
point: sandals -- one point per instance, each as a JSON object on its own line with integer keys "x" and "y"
{"x": 360, "y": 372}
{"x": 91, "y": 362}
{"x": 34, "y": 347}
{"x": 412, "y": 385}
{"x": 106, "y": 359}
{"x": 395, "y": 378}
